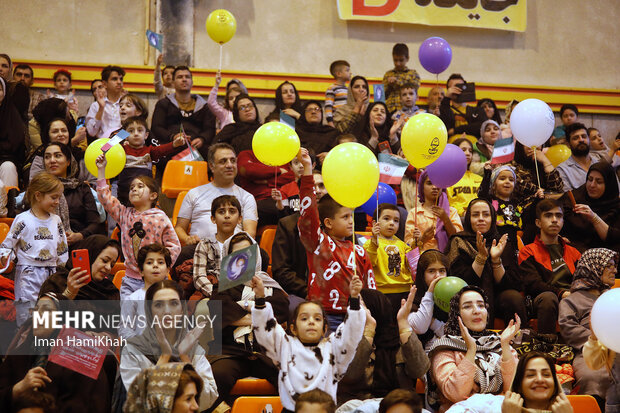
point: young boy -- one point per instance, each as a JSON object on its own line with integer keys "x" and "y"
{"x": 408, "y": 97}
{"x": 226, "y": 215}
{"x": 387, "y": 255}
{"x": 546, "y": 266}
{"x": 140, "y": 157}
{"x": 103, "y": 116}
{"x": 154, "y": 262}
{"x": 336, "y": 94}
{"x": 162, "y": 79}
{"x": 326, "y": 232}
{"x": 287, "y": 197}
{"x": 395, "y": 78}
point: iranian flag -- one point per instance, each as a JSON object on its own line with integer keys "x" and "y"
{"x": 391, "y": 168}
{"x": 503, "y": 151}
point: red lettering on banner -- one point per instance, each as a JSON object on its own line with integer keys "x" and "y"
{"x": 361, "y": 9}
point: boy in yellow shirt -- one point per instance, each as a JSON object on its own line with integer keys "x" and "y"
{"x": 387, "y": 255}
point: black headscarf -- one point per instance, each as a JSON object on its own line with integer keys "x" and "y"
{"x": 362, "y": 128}
{"x": 239, "y": 134}
{"x": 12, "y": 129}
{"x": 51, "y": 109}
{"x": 468, "y": 232}
{"x": 280, "y": 102}
{"x": 315, "y": 136}
{"x": 94, "y": 290}
{"x": 482, "y": 113}
{"x": 452, "y": 325}
{"x": 608, "y": 205}
{"x": 521, "y": 160}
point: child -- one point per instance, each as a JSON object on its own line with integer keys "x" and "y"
{"x": 140, "y": 157}
{"x": 223, "y": 113}
{"x": 466, "y": 189}
{"x": 308, "y": 360}
{"x": 569, "y": 114}
{"x": 395, "y": 78}
{"x": 336, "y": 94}
{"x": 287, "y": 197}
{"x": 408, "y": 97}
{"x": 315, "y": 401}
{"x": 38, "y": 240}
{"x": 142, "y": 224}
{"x": 62, "y": 85}
{"x": 427, "y": 320}
{"x": 162, "y": 89}
{"x": 103, "y": 115}
{"x": 326, "y": 231}
{"x": 483, "y": 150}
{"x": 154, "y": 263}
{"x": 387, "y": 255}
{"x": 226, "y": 215}
{"x": 131, "y": 105}
{"x": 435, "y": 221}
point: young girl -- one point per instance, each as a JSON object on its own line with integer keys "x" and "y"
{"x": 435, "y": 221}
{"x": 428, "y": 320}
{"x": 131, "y": 105}
{"x": 465, "y": 190}
{"x": 307, "y": 360}
{"x": 223, "y": 113}
{"x": 483, "y": 150}
{"x": 38, "y": 241}
{"x": 141, "y": 225}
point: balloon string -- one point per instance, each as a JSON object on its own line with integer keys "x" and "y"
{"x": 415, "y": 203}
{"x": 437, "y": 80}
{"x": 221, "y": 49}
{"x": 354, "y": 258}
{"x": 536, "y": 164}
{"x": 276, "y": 177}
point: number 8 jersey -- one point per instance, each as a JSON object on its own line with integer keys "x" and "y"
{"x": 331, "y": 262}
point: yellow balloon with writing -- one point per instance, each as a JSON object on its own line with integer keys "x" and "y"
{"x": 558, "y": 154}
{"x": 115, "y": 156}
{"x": 351, "y": 174}
{"x": 221, "y": 26}
{"x": 423, "y": 139}
{"x": 275, "y": 144}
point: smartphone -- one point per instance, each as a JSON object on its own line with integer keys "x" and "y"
{"x": 79, "y": 259}
{"x": 468, "y": 93}
{"x": 80, "y": 123}
{"x": 384, "y": 147}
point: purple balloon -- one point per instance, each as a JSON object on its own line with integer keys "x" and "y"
{"x": 386, "y": 196}
{"x": 435, "y": 54}
{"x": 449, "y": 168}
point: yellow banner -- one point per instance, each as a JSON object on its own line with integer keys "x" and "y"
{"x": 489, "y": 14}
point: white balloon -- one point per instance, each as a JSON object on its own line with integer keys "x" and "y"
{"x": 532, "y": 122}
{"x": 605, "y": 315}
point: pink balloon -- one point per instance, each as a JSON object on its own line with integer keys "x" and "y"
{"x": 449, "y": 168}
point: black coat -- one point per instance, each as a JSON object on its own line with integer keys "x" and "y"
{"x": 83, "y": 213}
{"x": 290, "y": 264}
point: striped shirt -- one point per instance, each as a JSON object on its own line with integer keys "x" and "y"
{"x": 336, "y": 95}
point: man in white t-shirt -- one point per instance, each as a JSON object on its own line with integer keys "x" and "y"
{"x": 196, "y": 207}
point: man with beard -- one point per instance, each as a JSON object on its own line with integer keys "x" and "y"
{"x": 573, "y": 170}
{"x": 23, "y": 73}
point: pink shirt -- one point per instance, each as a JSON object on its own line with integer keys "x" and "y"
{"x": 425, "y": 220}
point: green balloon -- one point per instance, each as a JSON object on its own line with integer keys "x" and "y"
{"x": 445, "y": 289}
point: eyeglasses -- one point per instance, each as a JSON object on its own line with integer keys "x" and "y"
{"x": 313, "y": 110}
{"x": 244, "y": 107}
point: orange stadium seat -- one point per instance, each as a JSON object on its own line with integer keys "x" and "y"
{"x": 4, "y": 229}
{"x": 8, "y": 221}
{"x": 251, "y": 386}
{"x": 583, "y": 404}
{"x": 177, "y": 206}
{"x": 118, "y": 279}
{"x": 253, "y": 404}
{"x": 182, "y": 176}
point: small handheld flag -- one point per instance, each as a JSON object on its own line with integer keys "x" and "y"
{"x": 155, "y": 39}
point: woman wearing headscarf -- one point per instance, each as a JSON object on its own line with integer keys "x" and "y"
{"x": 347, "y": 115}
{"x": 376, "y": 126}
{"x": 43, "y": 114}
{"x": 470, "y": 359}
{"x": 167, "y": 388}
{"x": 240, "y": 133}
{"x": 435, "y": 221}
{"x": 595, "y": 219}
{"x": 12, "y": 138}
{"x": 313, "y": 135}
{"x": 481, "y": 257}
{"x": 287, "y": 100}
{"x": 595, "y": 273}
{"x": 161, "y": 342}
{"x": 483, "y": 149}
{"x": 26, "y": 368}
{"x": 241, "y": 355}
{"x": 77, "y": 208}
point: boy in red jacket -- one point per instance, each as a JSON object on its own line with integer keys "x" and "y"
{"x": 326, "y": 232}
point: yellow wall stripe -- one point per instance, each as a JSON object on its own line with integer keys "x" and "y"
{"x": 263, "y": 85}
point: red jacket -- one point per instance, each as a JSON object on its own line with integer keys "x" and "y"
{"x": 535, "y": 266}
{"x": 330, "y": 261}
{"x": 259, "y": 179}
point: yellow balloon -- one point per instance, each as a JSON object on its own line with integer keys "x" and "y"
{"x": 275, "y": 144}
{"x": 351, "y": 174}
{"x": 558, "y": 154}
{"x": 115, "y": 156}
{"x": 221, "y": 26}
{"x": 423, "y": 139}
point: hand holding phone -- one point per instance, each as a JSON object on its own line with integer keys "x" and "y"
{"x": 79, "y": 259}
